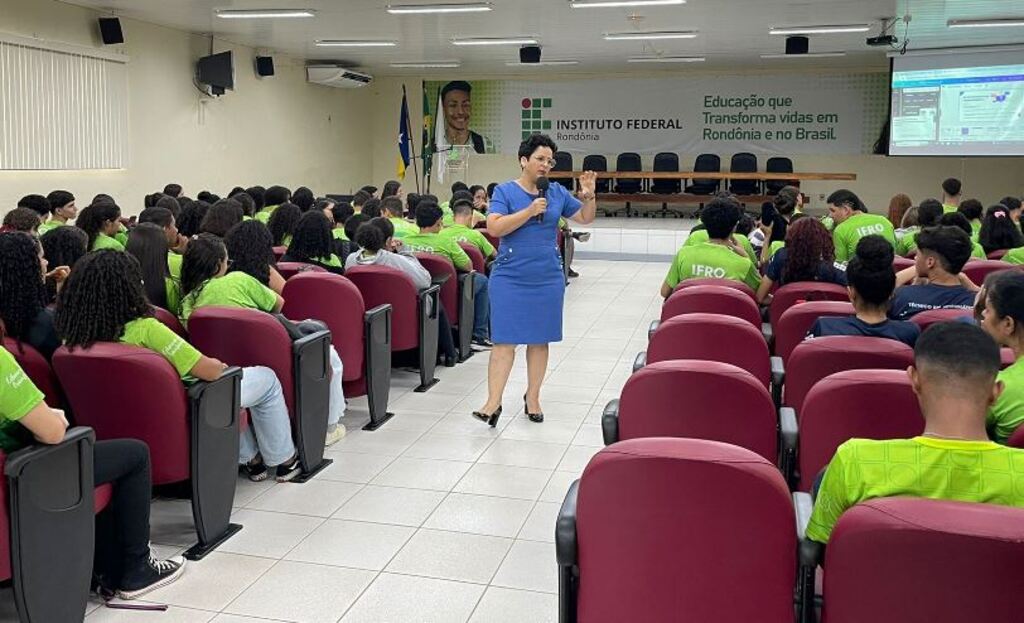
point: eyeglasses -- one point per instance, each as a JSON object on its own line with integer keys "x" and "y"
{"x": 547, "y": 161}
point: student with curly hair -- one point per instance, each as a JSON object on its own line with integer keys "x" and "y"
{"x": 62, "y": 246}
{"x": 808, "y": 255}
{"x": 221, "y": 217}
{"x": 282, "y": 223}
{"x": 191, "y": 218}
{"x": 23, "y": 294}
{"x": 272, "y": 198}
{"x": 148, "y": 244}
{"x": 247, "y": 203}
{"x": 251, "y": 250}
{"x": 311, "y": 243}
{"x": 22, "y": 219}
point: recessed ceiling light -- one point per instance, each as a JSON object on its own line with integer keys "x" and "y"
{"x": 666, "y": 59}
{"x": 263, "y": 13}
{"x": 986, "y": 23}
{"x": 541, "y": 63}
{"x": 650, "y": 36}
{"x": 495, "y": 41}
{"x": 605, "y": 4}
{"x": 340, "y": 43}
{"x": 807, "y": 55}
{"x": 819, "y": 30}
{"x": 413, "y": 9}
{"x": 427, "y": 65}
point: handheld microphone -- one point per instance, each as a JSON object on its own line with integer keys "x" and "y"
{"x": 542, "y": 189}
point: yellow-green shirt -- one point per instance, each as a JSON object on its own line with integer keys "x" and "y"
{"x": 1007, "y": 414}
{"x": 708, "y": 260}
{"x": 701, "y": 236}
{"x": 174, "y": 261}
{"x": 263, "y": 215}
{"x": 461, "y": 233}
{"x": 104, "y": 241}
{"x": 946, "y": 208}
{"x": 447, "y": 216}
{"x": 439, "y": 245}
{"x": 847, "y": 234}
{"x": 173, "y": 289}
{"x": 924, "y": 467}
{"x": 235, "y": 289}
{"x": 907, "y": 242}
{"x": 18, "y": 396}
{"x": 1014, "y": 256}
{"x": 50, "y": 225}
{"x": 156, "y": 336}
{"x": 122, "y": 236}
{"x": 403, "y": 227}
{"x": 339, "y": 233}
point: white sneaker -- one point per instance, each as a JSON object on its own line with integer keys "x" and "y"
{"x": 334, "y": 434}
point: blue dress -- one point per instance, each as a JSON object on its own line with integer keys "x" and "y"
{"x": 527, "y": 285}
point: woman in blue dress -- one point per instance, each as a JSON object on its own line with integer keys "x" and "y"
{"x": 527, "y": 285}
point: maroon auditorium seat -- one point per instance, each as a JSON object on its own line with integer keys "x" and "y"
{"x": 728, "y": 283}
{"x": 794, "y": 324}
{"x": 711, "y": 299}
{"x": 279, "y": 252}
{"x": 1016, "y": 440}
{"x": 710, "y": 337}
{"x": 998, "y": 254}
{"x": 362, "y": 338}
{"x": 901, "y": 263}
{"x": 977, "y": 270}
{"x": 475, "y": 256}
{"x": 927, "y": 318}
{"x": 290, "y": 269}
{"x": 722, "y": 403}
{"x": 494, "y": 240}
{"x": 192, "y": 432}
{"x": 413, "y": 313}
{"x": 303, "y": 367}
{"x": 866, "y": 404}
{"x": 170, "y": 321}
{"x": 457, "y": 298}
{"x": 792, "y": 293}
{"x": 38, "y": 370}
{"x": 682, "y": 530}
{"x": 912, "y": 560}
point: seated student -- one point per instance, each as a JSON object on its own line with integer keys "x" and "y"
{"x": 38, "y": 204}
{"x": 359, "y": 200}
{"x": 898, "y": 206}
{"x": 951, "y": 191}
{"x": 123, "y": 565}
{"x": 928, "y": 215}
{"x": 720, "y": 257}
{"x": 221, "y": 217}
{"x": 392, "y": 209}
{"x": 173, "y": 190}
{"x": 205, "y": 281}
{"x": 62, "y": 246}
{"x": 352, "y": 225}
{"x": 22, "y": 219}
{"x": 272, "y": 198}
{"x": 248, "y": 205}
{"x": 282, "y": 222}
{"x": 372, "y": 208}
{"x": 208, "y": 197}
{"x": 941, "y": 254}
{"x": 462, "y": 229}
{"x": 908, "y": 225}
{"x": 251, "y": 251}
{"x": 429, "y": 240}
{"x": 304, "y": 198}
{"x": 954, "y": 377}
{"x": 104, "y": 302}
{"x": 480, "y": 199}
{"x": 871, "y": 281}
{"x": 999, "y": 230}
{"x": 459, "y": 190}
{"x": 772, "y": 235}
{"x": 100, "y": 221}
{"x": 340, "y": 213}
{"x": 973, "y": 210}
{"x": 257, "y": 193}
{"x": 371, "y": 190}
{"x": 1002, "y": 302}
{"x": 956, "y": 219}
{"x": 176, "y": 243}
{"x": 392, "y": 188}
{"x": 852, "y": 222}
{"x": 147, "y": 243}
{"x": 62, "y": 210}
{"x": 172, "y": 205}
{"x": 808, "y": 255}
{"x": 412, "y": 200}
{"x": 1013, "y": 204}
{"x": 191, "y": 217}
{"x": 23, "y": 294}
{"x": 311, "y": 243}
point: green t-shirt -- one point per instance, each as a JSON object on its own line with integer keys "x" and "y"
{"x": 977, "y": 251}
{"x": 1014, "y": 256}
{"x": 50, "y": 225}
{"x": 1007, "y": 414}
{"x": 339, "y": 233}
{"x": 122, "y": 237}
{"x": 924, "y": 467}
{"x": 907, "y": 242}
{"x": 711, "y": 261}
{"x": 333, "y": 261}
{"x": 774, "y": 247}
{"x": 18, "y": 396}
{"x": 447, "y": 216}
{"x": 701, "y": 236}
{"x": 156, "y": 336}
{"x": 461, "y": 233}
{"x": 976, "y": 226}
{"x": 174, "y": 261}
{"x": 403, "y": 227}
{"x": 173, "y": 288}
{"x": 946, "y": 208}
{"x": 439, "y": 245}
{"x": 104, "y": 241}
{"x": 263, "y": 215}
{"x": 235, "y": 289}
{"x": 828, "y": 222}
{"x": 847, "y": 234}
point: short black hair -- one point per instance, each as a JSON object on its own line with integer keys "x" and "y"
{"x": 951, "y": 244}
{"x": 391, "y": 188}
{"x": 221, "y": 217}
{"x": 172, "y": 189}
{"x": 392, "y": 205}
{"x": 22, "y": 219}
{"x": 535, "y": 142}
{"x": 746, "y": 224}
{"x": 191, "y": 218}
{"x": 490, "y": 189}
{"x": 456, "y": 85}
{"x": 361, "y": 197}
{"x": 462, "y": 207}
{"x": 352, "y": 225}
{"x": 150, "y": 200}
{"x": 457, "y": 186}
{"x": 276, "y": 195}
{"x": 971, "y": 208}
{"x": 870, "y": 271}
{"x": 58, "y": 199}
{"x": 304, "y": 198}
{"x": 412, "y": 200}
{"x": 475, "y": 188}
{"x": 37, "y": 203}
{"x": 952, "y": 186}
{"x": 1005, "y": 292}
{"x": 461, "y": 194}
{"x": 369, "y": 237}
{"x": 959, "y": 351}
{"x": 256, "y": 192}
{"x": 384, "y": 225}
{"x": 342, "y": 212}
{"x": 929, "y": 212}
{"x": 370, "y": 188}
{"x": 720, "y": 217}
{"x": 428, "y": 214}
{"x": 311, "y": 240}
{"x": 157, "y": 216}
{"x": 247, "y": 203}
{"x": 208, "y": 197}
{"x": 1013, "y": 203}
{"x": 848, "y": 198}
{"x": 956, "y": 219}
{"x": 372, "y": 207}
{"x": 170, "y": 204}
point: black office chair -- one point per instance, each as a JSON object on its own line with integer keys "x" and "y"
{"x": 563, "y": 162}
{"x": 706, "y": 163}
{"x": 627, "y": 162}
{"x": 666, "y": 162}
{"x": 599, "y": 164}
{"x": 744, "y": 163}
{"x": 778, "y": 164}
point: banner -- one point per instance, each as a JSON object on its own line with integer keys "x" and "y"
{"x": 760, "y": 113}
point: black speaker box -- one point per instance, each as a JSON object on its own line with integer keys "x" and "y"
{"x": 110, "y": 30}
{"x": 264, "y": 66}
{"x": 797, "y": 45}
{"x": 529, "y": 54}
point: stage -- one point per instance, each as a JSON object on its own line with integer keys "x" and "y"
{"x": 634, "y": 239}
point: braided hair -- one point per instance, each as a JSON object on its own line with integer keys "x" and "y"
{"x": 201, "y": 263}
{"x": 250, "y": 248}
{"x": 102, "y": 295}
{"x": 311, "y": 239}
{"x": 22, "y": 292}
{"x": 92, "y": 219}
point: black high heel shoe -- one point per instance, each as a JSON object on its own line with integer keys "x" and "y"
{"x": 491, "y": 420}
{"x": 534, "y": 417}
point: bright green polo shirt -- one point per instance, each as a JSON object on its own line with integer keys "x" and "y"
{"x": 50, "y": 225}
{"x": 847, "y": 234}
{"x": 18, "y": 396}
{"x": 104, "y": 241}
{"x": 447, "y": 216}
{"x": 924, "y": 467}
{"x": 701, "y": 236}
{"x": 711, "y": 261}
{"x": 263, "y": 215}
{"x": 439, "y": 245}
{"x": 156, "y": 336}
{"x": 461, "y": 233}
{"x": 976, "y": 226}
{"x": 1007, "y": 414}
{"x": 403, "y": 227}
{"x": 946, "y": 208}
{"x": 907, "y": 242}
{"x": 774, "y": 247}
{"x": 235, "y": 289}
{"x": 174, "y": 261}
{"x": 1014, "y": 256}
{"x": 173, "y": 289}
{"x": 338, "y": 233}
{"x": 122, "y": 236}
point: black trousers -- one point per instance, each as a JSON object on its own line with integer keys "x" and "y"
{"x": 122, "y": 529}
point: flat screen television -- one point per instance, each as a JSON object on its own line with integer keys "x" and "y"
{"x": 218, "y": 71}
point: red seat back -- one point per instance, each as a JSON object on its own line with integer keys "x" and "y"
{"x": 792, "y": 327}
{"x": 723, "y": 403}
{"x": 865, "y": 404}
{"x": 290, "y": 269}
{"x": 494, "y": 240}
{"x": 793, "y": 293}
{"x": 475, "y": 256}
{"x": 38, "y": 370}
{"x": 439, "y": 266}
{"x": 125, "y": 391}
{"x": 929, "y": 317}
{"x": 712, "y": 300}
{"x": 336, "y": 301}
{"x": 914, "y": 560}
{"x": 998, "y": 254}
{"x": 815, "y": 359}
{"x": 667, "y": 529}
{"x": 279, "y": 252}
{"x": 977, "y": 270}
{"x": 712, "y": 337}
{"x": 1016, "y": 440}
{"x": 381, "y": 285}
{"x": 170, "y": 321}
{"x": 728, "y": 283}
{"x": 901, "y": 263}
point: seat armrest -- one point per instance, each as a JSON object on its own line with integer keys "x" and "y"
{"x": 768, "y": 332}
{"x": 803, "y": 505}
{"x": 566, "y": 551}
{"x": 788, "y": 437}
{"x": 610, "y": 422}
{"x": 640, "y": 361}
{"x": 778, "y": 371}
{"x": 811, "y": 555}
{"x": 651, "y": 329}
{"x": 432, "y": 293}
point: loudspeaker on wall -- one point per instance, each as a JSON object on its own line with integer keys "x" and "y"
{"x": 110, "y": 30}
{"x": 264, "y": 66}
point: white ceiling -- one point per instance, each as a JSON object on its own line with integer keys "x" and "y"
{"x": 733, "y": 33}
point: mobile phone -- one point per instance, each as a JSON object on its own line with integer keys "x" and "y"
{"x": 768, "y": 213}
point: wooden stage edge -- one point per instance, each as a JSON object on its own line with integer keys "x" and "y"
{"x": 706, "y": 175}
{"x": 675, "y": 198}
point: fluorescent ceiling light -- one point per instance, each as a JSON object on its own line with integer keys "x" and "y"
{"x": 413, "y": 9}
{"x": 808, "y": 55}
{"x": 666, "y": 59}
{"x": 427, "y": 65}
{"x": 986, "y": 23}
{"x": 263, "y": 13}
{"x": 650, "y": 36}
{"x": 549, "y": 63}
{"x": 605, "y": 4}
{"x": 339, "y": 43}
{"x": 819, "y": 30}
{"x": 496, "y": 41}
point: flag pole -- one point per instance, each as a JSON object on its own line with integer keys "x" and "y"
{"x": 412, "y": 143}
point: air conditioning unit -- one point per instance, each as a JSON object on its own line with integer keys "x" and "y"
{"x": 335, "y": 76}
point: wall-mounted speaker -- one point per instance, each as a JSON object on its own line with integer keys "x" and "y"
{"x": 110, "y": 30}
{"x": 529, "y": 54}
{"x": 797, "y": 45}
{"x": 264, "y": 66}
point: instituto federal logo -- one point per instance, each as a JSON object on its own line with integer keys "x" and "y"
{"x": 533, "y": 116}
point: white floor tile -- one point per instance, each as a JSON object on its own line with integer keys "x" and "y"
{"x": 213, "y": 582}
{"x": 391, "y": 505}
{"x": 451, "y": 556}
{"x": 558, "y": 429}
{"x": 353, "y": 467}
{"x": 462, "y": 423}
{"x": 415, "y": 421}
{"x": 174, "y": 614}
{"x": 506, "y": 605}
{"x": 540, "y": 525}
{"x": 524, "y": 453}
{"x": 399, "y": 598}
{"x": 317, "y": 497}
{"x": 531, "y": 566}
{"x": 448, "y": 448}
{"x": 576, "y": 458}
{"x": 303, "y": 593}
{"x": 237, "y": 618}
{"x": 504, "y": 481}
{"x": 480, "y": 514}
{"x": 266, "y": 534}
{"x": 422, "y": 474}
{"x": 384, "y": 441}
{"x": 246, "y": 490}
{"x": 558, "y": 486}
{"x": 352, "y": 544}
{"x": 589, "y": 435}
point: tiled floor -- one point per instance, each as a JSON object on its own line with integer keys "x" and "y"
{"x": 435, "y": 517}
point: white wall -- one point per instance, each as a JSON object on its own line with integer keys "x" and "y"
{"x": 279, "y": 130}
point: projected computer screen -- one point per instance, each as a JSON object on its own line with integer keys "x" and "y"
{"x": 969, "y": 104}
